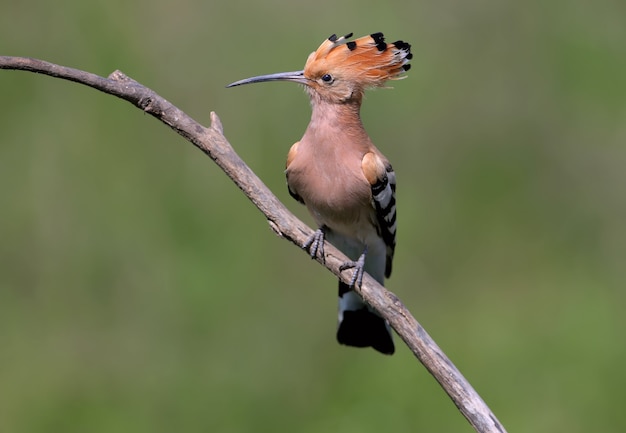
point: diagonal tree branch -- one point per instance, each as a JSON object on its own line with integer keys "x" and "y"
{"x": 212, "y": 142}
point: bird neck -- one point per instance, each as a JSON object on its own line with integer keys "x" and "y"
{"x": 337, "y": 120}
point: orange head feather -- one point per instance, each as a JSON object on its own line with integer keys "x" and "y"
{"x": 369, "y": 60}
{"x": 340, "y": 70}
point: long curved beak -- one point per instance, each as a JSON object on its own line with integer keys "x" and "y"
{"x": 296, "y": 76}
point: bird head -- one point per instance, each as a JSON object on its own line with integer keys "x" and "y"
{"x": 340, "y": 70}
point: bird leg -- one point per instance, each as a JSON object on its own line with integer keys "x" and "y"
{"x": 359, "y": 269}
{"x": 315, "y": 243}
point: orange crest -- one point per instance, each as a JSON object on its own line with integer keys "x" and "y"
{"x": 368, "y": 61}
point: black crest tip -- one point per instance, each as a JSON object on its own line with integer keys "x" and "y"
{"x": 351, "y": 45}
{"x": 333, "y": 38}
{"x": 378, "y": 37}
{"x": 401, "y": 45}
{"x": 348, "y": 36}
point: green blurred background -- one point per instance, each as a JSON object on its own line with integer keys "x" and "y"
{"x": 140, "y": 291}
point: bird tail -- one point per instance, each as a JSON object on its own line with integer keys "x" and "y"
{"x": 359, "y": 326}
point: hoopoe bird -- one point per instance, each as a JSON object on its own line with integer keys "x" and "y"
{"x": 345, "y": 182}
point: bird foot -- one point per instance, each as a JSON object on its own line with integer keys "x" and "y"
{"x": 359, "y": 269}
{"x": 315, "y": 244}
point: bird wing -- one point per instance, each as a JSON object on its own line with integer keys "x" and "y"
{"x": 382, "y": 179}
{"x": 290, "y": 157}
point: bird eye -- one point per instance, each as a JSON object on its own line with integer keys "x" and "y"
{"x": 327, "y": 78}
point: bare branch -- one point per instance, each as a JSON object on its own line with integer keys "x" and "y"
{"x": 212, "y": 142}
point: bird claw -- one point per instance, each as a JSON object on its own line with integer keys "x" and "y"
{"x": 359, "y": 269}
{"x": 315, "y": 244}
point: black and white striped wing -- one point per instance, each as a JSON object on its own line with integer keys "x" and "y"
{"x": 384, "y": 201}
